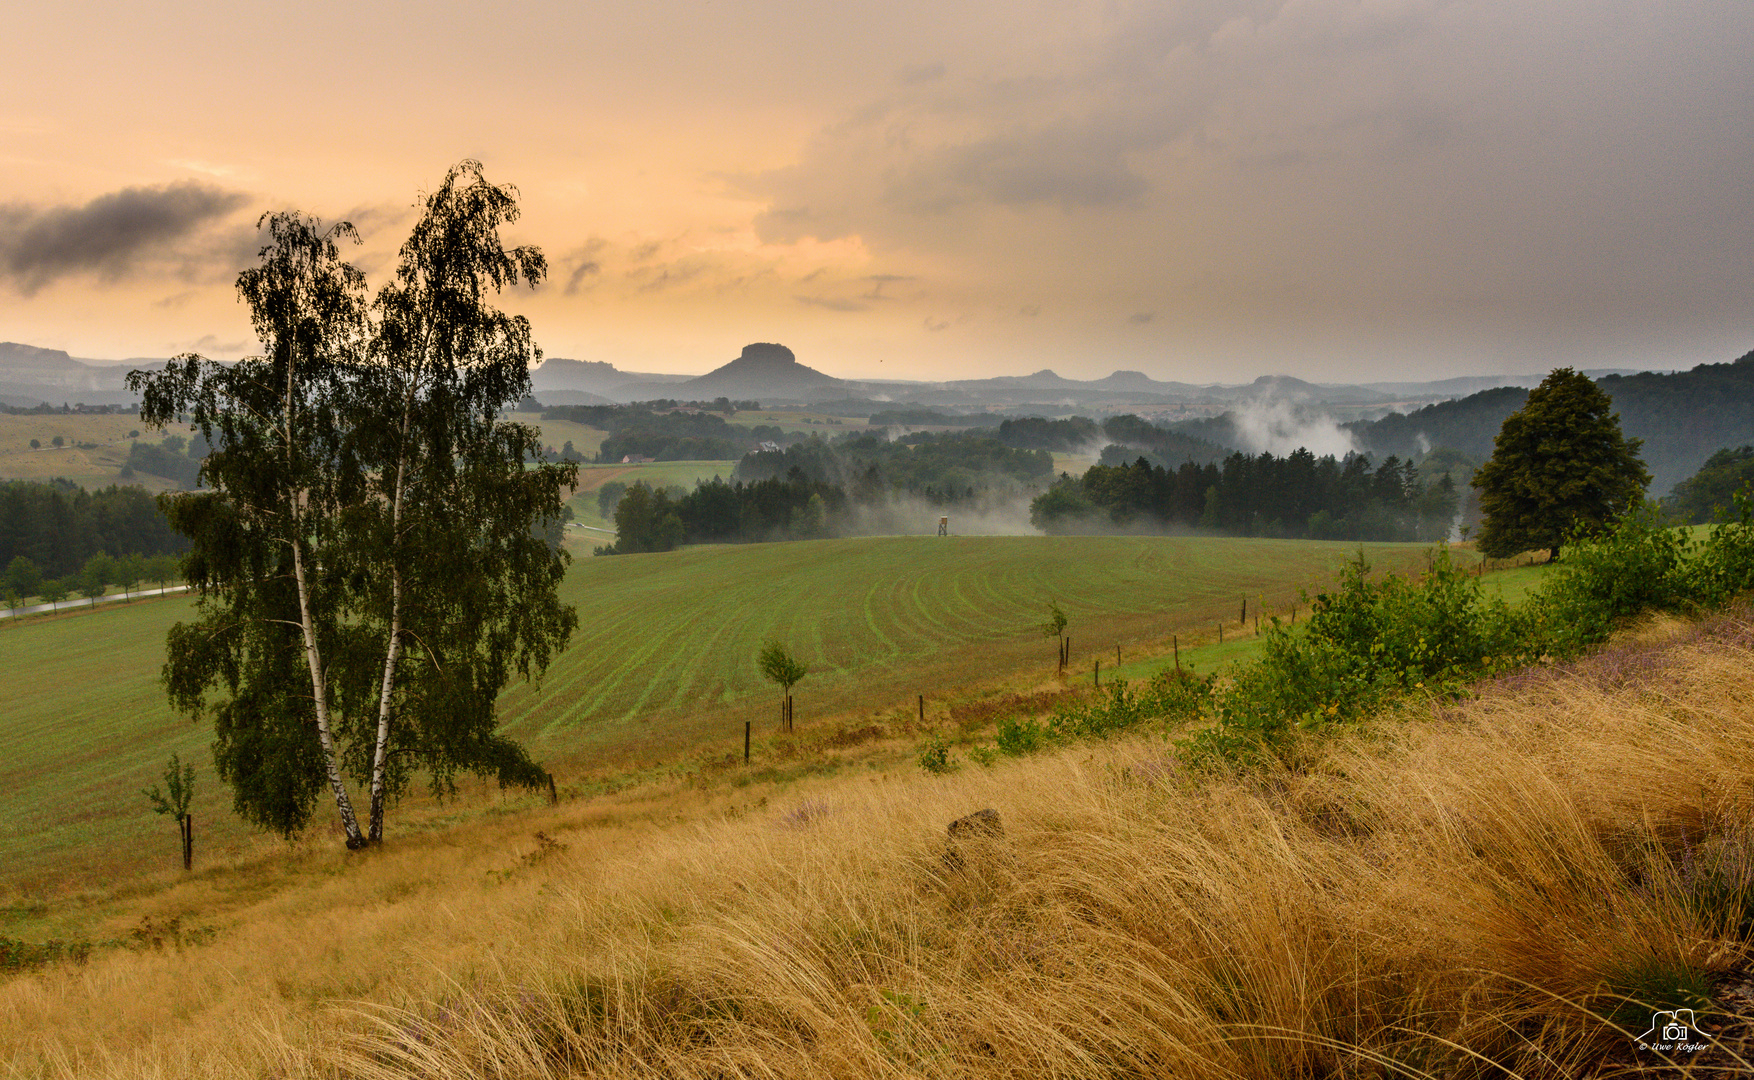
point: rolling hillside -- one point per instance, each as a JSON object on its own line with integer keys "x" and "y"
{"x": 663, "y": 662}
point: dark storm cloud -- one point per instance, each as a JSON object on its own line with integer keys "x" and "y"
{"x": 1477, "y": 169}
{"x": 111, "y": 235}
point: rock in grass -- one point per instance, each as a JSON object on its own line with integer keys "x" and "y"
{"x": 982, "y": 825}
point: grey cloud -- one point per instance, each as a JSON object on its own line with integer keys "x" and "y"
{"x": 111, "y": 235}
{"x": 1412, "y": 165}
{"x": 579, "y": 274}
{"x": 921, "y": 73}
{"x": 586, "y": 263}
{"x": 834, "y": 303}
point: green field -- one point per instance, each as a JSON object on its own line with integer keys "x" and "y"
{"x": 663, "y": 661}
{"x": 658, "y": 474}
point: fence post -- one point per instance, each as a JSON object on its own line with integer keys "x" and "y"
{"x": 1176, "y": 644}
{"x": 553, "y": 793}
{"x": 1098, "y": 673}
{"x": 188, "y": 841}
{"x": 747, "y": 724}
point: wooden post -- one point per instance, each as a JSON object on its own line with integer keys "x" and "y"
{"x": 922, "y": 710}
{"x": 1098, "y": 673}
{"x": 747, "y": 724}
{"x": 188, "y": 841}
{"x": 1220, "y": 633}
{"x": 1176, "y": 644}
{"x": 553, "y": 793}
{"x": 1117, "y": 655}
{"x": 1243, "y": 619}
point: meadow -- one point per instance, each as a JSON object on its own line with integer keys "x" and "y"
{"x": 94, "y": 464}
{"x": 662, "y": 668}
{"x": 1504, "y": 885}
{"x": 655, "y": 474}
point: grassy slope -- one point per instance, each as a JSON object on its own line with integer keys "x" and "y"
{"x": 663, "y": 661}
{"x": 91, "y": 468}
{"x": 84, "y": 727}
{"x": 1490, "y": 884}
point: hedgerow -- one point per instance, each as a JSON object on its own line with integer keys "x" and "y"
{"x": 1369, "y": 642}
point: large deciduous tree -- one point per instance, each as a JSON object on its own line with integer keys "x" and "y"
{"x": 371, "y": 556}
{"x": 459, "y": 576}
{"x": 1559, "y": 464}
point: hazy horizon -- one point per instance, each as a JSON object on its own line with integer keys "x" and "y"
{"x": 1336, "y": 190}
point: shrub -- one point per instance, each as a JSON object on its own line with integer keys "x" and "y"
{"x": 1018, "y": 737}
{"x": 1635, "y": 565}
{"x": 1365, "y": 642}
{"x": 935, "y": 755}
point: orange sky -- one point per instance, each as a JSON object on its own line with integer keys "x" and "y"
{"x": 1335, "y": 189}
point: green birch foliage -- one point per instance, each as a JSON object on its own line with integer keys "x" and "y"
{"x": 367, "y": 445}
{"x": 449, "y": 557}
{"x": 276, "y": 482}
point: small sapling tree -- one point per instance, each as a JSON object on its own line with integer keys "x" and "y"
{"x": 179, "y": 782}
{"x": 781, "y": 667}
{"x": 1055, "y": 627}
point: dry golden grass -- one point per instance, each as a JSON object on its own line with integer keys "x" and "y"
{"x": 1502, "y": 886}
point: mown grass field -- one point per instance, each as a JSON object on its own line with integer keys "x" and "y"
{"x": 84, "y": 726}
{"x": 658, "y": 474}
{"x": 663, "y": 662}
{"x": 94, "y": 465}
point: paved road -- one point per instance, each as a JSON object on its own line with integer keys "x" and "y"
{"x": 69, "y": 605}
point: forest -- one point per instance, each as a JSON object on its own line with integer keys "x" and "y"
{"x": 1297, "y": 496}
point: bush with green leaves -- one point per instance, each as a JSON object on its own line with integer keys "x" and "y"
{"x": 1365, "y": 642}
{"x": 935, "y": 755}
{"x": 1633, "y": 566}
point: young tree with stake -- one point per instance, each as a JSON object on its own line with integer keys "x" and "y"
{"x": 781, "y": 667}
{"x": 1055, "y": 627}
{"x": 179, "y": 782}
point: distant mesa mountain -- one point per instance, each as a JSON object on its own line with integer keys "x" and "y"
{"x": 30, "y": 376}
{"x": 765, "y": 372}
{"x": 559, "y": 380}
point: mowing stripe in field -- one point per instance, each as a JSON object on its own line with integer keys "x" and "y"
{"x": 664, "y": 658}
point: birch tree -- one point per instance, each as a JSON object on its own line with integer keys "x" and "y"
{"x": 372, "y": 556}
{"x": 459, "y": 577}
{"x": 267, "y": 614}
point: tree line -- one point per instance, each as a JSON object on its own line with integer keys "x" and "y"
{"x": 58, "y": 526}
{"x": 1295, "y": 496}
{"x": 792, "y": 507}
{"x": 649, "y": 430}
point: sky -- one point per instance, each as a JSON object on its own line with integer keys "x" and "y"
{"x": 1339, "y": 190}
